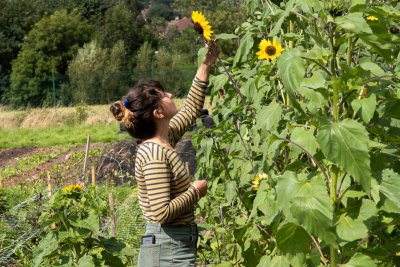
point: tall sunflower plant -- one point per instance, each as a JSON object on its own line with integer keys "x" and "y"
{"x": 303, "y": 163}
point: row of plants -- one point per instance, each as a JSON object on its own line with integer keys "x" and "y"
{"x": 72, "y": 228}
{"x": 304, "y": 168}
{"x": 30, "y": 162}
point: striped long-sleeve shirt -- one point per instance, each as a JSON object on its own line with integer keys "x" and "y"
{"x": 163, "y": 181}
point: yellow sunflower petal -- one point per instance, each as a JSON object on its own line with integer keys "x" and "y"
{"x": 255, "y": 187}
{"x": 201, "y": 25}
{"x": 73, "y": 187}
{"x": 372, "y": 18}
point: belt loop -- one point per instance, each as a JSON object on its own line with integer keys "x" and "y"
{"x": 158, "y": 227}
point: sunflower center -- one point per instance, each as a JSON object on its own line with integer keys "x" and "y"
{"x": 198, "y": 28}
{"x": 270, "y": 50}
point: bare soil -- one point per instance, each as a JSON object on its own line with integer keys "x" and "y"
{"x": 115, "y": 162}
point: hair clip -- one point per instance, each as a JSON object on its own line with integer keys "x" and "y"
{"x": 126, "y": 103}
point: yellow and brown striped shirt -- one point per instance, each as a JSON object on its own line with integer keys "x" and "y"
{"x": 163, "y": 181}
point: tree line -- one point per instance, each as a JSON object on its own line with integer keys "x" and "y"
{"x": 88, "y": 48}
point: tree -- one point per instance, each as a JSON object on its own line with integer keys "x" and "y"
{"x": 174, "y": 70}
{"x": 46, "y": 51}
{"x": 97, "y": 74}
{"x": 160, "y": 10}
{"x": 119, "y": 24}
{"x": 16, "y": 19}
{"x": 144, "y": 59}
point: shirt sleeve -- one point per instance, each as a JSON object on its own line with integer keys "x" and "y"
{"x": 185, "y": 118}
{"x": 163, "y": 209}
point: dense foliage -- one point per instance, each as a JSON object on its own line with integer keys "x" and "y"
{"x": 39, "y": 39}
{"x": 74, "y": 239}
{"x": 304, "y": 166}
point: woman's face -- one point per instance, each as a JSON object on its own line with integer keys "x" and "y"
{"x": 168, "y": 105}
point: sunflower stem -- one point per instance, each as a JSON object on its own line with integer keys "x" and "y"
{"x": 232, "y": 80}
{"x": 335, "y": 89}
{"x": 291, "y": 29}
{"x": 333, "y": 195}
{"x": 349, "y": 51}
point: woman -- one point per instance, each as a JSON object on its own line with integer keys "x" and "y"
{"x": 166, "y": 197}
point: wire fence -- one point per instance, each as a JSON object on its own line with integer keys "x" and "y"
{"x": 20, "y": 227}
{"x": 90, "y": 87}
{"x": 20, "y": 230}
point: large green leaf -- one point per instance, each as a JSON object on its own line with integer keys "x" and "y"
{"x": 305, "y": 138}
{"x": 200, "y": 55}
{"x": 345, "y": 143}
{"x": 291, "y": 69}
{"x": 368, "y": 212}
{"x": 86, "y": 261}
{"x": 316, "y": 81}
{"x": 230, "y": 190}
{"x": 390, "y": 186}
{"x": 306, "y": 202}
{"x": 374, "y": 68}
{"x": 246, "y": 44}
{"x": 289, "y": 7}
{"x": 269, "y": 117}
{"x": 219, "y": 81}
{"x": 46, "y": 246}
{"x": 293, "y": 239}
{"x": 359, "y": 260}
{"x": 226, "y": 36}
{"x": 279, "y": 261}
{"x": 90, "y": 221}
{"x": 349, "y": 229}
{"x": 365, "y": 107}
{"x": 261, "y": 197}
{"x": 354, "y": 22}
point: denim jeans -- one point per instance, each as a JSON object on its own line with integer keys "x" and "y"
{"x": 175, "y": 245}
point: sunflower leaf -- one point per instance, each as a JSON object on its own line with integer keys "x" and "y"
{"x": 345, "y": 143}
{"x": 246, "y": 44}
{"x": 226, "y": 36}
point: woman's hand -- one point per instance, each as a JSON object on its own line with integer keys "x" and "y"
{"x": 201, "y": 185}
{"x": 212, "y": 53}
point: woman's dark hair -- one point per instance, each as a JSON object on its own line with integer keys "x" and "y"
{"x": 137, "y": 113}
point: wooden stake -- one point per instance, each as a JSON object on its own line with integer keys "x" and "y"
{"x": 93, "y": 177}
{"x": 48, "y": 185}
{"x": 111, "y": 204}
{"x": 86, "y": 156}
{"x": 49, "y": 189}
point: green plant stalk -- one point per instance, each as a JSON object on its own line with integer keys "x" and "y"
{"x": 333, "y": 186}
{"x": 335, "y": 96}
{"x": 335, "y": 103}
{"x": 222, "y": 159}
{"x": 232, "y": 80}
{"x": 335, "y": 114}
{"x": 291, "y": 29}
{"x": 349, "y": 51}
{"x": 245, "y": 147}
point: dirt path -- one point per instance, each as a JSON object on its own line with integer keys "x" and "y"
{"x": 112, "y": 161}
{"x": 62, "y": 162}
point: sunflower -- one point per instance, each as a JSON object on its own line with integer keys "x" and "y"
{"x": 269, "y": 50}
{"x": 372, "y": 18}
{"x": 201, "y": 25}
{"x": 72, "y": 188}
{"x": 257, "y": 180}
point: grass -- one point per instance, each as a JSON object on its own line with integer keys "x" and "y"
{"x": 61, "y": 135}
{"x": 43, "y": 127}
